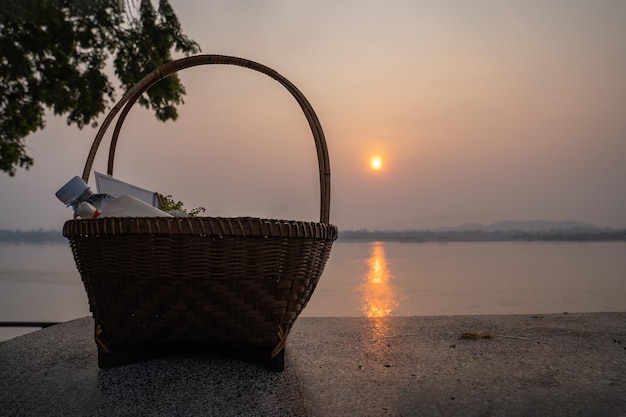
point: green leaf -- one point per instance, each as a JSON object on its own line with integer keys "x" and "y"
{"x": 53, "y": 53}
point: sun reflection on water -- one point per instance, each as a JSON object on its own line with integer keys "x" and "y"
{"x": 378, "y": 295}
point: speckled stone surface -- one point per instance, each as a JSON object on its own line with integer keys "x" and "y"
{"x": 54, "y": 372}
{"x": 545, "y": 365}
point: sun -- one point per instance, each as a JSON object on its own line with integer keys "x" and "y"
{"x": 376, "y": 163}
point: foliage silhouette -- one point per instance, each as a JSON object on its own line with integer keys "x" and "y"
{"x": 53, "y": 55}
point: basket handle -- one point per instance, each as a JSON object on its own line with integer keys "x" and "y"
{"x": 133, "y": 94}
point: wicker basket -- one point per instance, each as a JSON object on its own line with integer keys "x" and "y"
{"x": 158, "y": 282}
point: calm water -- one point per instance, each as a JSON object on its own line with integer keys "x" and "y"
{"x": 39, "y": 282}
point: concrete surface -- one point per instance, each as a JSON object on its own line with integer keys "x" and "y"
{"x": 544, "y": 365}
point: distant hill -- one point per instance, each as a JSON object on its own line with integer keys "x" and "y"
{"x": 536, "y": 230}
{"x": 31, "y": 236}
{"x": 526, "y": 226}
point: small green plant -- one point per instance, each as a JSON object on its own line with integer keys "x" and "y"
{"x": 177, "y": 207}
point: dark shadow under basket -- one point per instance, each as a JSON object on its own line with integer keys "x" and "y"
{"x": 237, "y": 282}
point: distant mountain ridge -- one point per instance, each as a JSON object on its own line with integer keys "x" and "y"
{"x": 520, "y": 231}
{"x": 525, "y": 226}
{"x": 535, "y": 230}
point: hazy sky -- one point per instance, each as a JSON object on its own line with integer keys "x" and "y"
{"x": 482, "y": 111}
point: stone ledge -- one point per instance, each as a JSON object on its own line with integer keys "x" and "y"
{"x": 562, "y": 364}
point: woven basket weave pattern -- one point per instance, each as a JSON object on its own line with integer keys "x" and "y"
{"x": 216, "y": 289}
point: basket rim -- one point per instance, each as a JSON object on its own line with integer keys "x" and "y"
{"x": 172, "y": 67}
{"x": 244, "y": 227}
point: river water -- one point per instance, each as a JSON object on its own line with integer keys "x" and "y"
{"x": 39, "y": 282}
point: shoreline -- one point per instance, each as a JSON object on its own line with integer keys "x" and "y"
{"x": 417, "y": 236}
